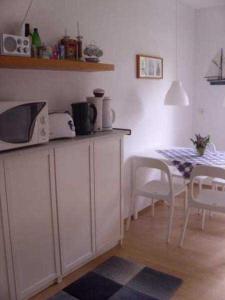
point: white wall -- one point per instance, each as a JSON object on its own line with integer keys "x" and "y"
{"x": 209, "y": 115}
{"x": 123, "y": 28}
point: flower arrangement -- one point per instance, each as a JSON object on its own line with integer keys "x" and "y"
{"x": 201, "y": 143}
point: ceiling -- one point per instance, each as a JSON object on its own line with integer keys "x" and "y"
{"x": 197, "y": 4}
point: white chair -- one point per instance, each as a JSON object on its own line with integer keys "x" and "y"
{"x": 218, "y": 183}
{"x": 200, "y": 180}
{"x": 211, "y": 147}
{"x": 212, "y": 200}
{"x": 155, "y": 189}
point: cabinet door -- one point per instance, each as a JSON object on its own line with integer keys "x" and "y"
{"x": 4, "y": 288}
{"x": 4, "y": 284}
{"x": 73, "y": 180}
{"x": 32, "y": 217}
{"x": 107, "y": 172}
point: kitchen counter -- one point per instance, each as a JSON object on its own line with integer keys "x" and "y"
{"x": 61, "y": 142}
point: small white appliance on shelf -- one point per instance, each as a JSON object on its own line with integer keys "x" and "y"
{"x": 15, "y": 45}
{"x": 23, "y": 124}
{"x": 61, "y": 125}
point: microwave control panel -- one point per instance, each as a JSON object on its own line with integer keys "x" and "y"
{"x": 43, "y": 127}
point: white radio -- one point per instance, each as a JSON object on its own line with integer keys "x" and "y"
{"x": 15, "y": 45}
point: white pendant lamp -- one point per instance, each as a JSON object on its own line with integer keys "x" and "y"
{"x": 176, "y": 95}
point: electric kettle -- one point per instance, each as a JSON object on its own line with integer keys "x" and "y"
{"x": 84, "y": 117}
{"x": 108, "y": 114}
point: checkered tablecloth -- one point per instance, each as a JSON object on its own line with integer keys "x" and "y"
{"x": 186, "y": 158}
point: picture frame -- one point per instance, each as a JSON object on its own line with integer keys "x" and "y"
{"x": 149, "y": 67}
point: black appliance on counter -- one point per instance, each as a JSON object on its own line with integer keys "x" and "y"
{"x": 84, "y": 117}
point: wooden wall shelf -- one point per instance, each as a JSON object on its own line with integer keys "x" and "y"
{"x": 14, "y": 62}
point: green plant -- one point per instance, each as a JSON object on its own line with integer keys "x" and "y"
{"x": 201, "y": 142}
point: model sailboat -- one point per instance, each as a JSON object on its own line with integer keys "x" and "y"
{"x": 216, "y": 71}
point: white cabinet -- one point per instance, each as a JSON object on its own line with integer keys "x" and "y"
{"x": 107, "y": 178}
{"x": 32, "y": 220}
{"x": 88, "y": 181}
{"x": 7, "y": 283}
{"x": 75, "y": 205}
{"x": 60, "y": 206}
{"x": 4, "y": 288}
{"x": 4, "y": 283}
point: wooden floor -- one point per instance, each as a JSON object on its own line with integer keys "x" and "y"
{"x": 200, "y": 263}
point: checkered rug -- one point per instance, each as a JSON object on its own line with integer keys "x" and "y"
{"x": 186, "y": 158}
{"x": 121, "y": 279}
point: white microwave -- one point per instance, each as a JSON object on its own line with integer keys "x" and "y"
{"x": 23, "y": 124}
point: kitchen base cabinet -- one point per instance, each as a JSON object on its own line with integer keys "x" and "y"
{"x": 60, "y": 207}
{"x": 7, "y": 283}
{"x": 4, "y": 284}
{"x": 75, "y": 205}
{"x": 4, "y": 288}
{"x": 107, "y": 178}
{"x": 32, "y": 216}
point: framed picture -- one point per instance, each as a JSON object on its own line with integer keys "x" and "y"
{"x": 149, "y": 67}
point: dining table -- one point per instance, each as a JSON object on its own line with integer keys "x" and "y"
{"x": 185, "y": 159}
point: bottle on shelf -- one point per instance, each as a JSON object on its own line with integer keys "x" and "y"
{"x": 79, "y": 47}
{"x": 27, "y": 34}
{"x": 36, "y": 43}
{"x": 79, "y": 43}
{"x": 61, "y": 49}
{"x": 27, "y": 30}
{"x": 70, "y": 47}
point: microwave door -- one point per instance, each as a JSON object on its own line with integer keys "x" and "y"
{"x": 17, "y": 124}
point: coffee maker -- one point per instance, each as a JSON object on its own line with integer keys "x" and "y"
{"x": 84, "y": 117}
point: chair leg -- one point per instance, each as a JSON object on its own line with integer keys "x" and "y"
{"x": 186, "y": 199}
{"x": 185, "y": 227}
{"x": 153, "y": 208}
{"x": 203, "y": 219}
{"x": 128, "y": 223}
{"x": 135, "y": 213}
{"x": 170, "y": 223}
{"x": 132, "y": 208}
{"x": 200, "y": 189}
{"x": 214, "y": 187}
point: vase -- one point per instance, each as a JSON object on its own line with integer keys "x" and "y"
{"x": 200, "y": 150}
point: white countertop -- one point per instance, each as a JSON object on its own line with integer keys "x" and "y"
{"x": 61, "y": 142}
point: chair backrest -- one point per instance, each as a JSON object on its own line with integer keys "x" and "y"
{"x": 211, "y": 147}
{"x": 209, "y": 171}
{"x": 150, "y": 163}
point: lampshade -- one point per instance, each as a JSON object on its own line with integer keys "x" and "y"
{"x": 176, "y": 95}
